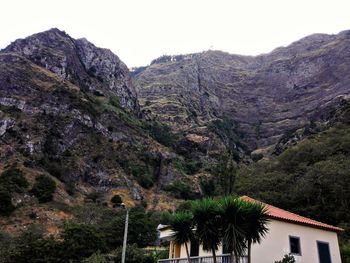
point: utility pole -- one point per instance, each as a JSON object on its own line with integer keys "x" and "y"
{"x": 125, "y": 233}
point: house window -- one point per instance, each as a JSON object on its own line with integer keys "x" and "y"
{"x": 324, "y": 254}
{"x": 194, "y": 251}
{"x": 294, "y": 243}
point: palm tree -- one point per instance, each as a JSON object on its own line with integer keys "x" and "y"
{"x": 255, "y": 226}
{"x": 181, "y": 224}
{"x": 233, "y": 226}
{"x": 206, "y": 218}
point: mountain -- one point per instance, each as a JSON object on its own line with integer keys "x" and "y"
{"x": 184, "y": 127}
{"x": 265, "y": 96}
{"x": 69, "y": 110}
{"x": 95, "y": 70}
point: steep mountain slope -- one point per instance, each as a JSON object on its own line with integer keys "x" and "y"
{"x": 265, "y": 96}
{"x": 69, "y": 110}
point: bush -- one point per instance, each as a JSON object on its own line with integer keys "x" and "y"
{"x": 94, "y": 196}
{"x": 208, "y": 186}
{"x": 6, "y": 206}
{"x": 287, "y": 259}
{"x": 81, "y": 240}
{"x": 142, "y": 230}
{"x": 96, "y": 258}
{"x": 180, "y": 190}
{"x": 32, "y": 245}
{"x": 142, "y": 176}
{"x": 345, "y": 253}
{"x": 13, "y": 180}
{"x": 117, "y": 200}
{"x": 184, "y": 206}
{"x": 133, "y": 255}
{"x": 43, "y": 188}
{"x": 70, "y": 188}
{"x": 188, "y": 166}
{"x": 160, "y": 133}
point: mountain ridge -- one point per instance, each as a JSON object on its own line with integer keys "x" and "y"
{"x": 271, "y": 86}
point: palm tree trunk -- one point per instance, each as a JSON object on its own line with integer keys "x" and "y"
{"x": 214, "y": 255}
{"x": 188, "y": 254}
{"x": 249, "y": 251}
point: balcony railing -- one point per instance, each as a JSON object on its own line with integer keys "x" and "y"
{"x": 226, "y": 258}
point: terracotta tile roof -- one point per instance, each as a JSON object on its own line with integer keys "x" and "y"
{"x": 280, "y": 214}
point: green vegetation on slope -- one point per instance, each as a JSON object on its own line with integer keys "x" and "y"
{"x": 311, "y": 178}
{"x": 94, "y": 229}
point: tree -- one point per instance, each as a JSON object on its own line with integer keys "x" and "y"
{"x": 32, "y": 244}
{"x": 233, "y": 221}
{"x": 141, "y": 229}
{"x": 116, "y": 199}
{"x": 81, "y": 240}
{"x": 206, "y": 218}
{"x": 43, "y": 188}
{"x": 225, "y": 172}
{"x": 255, "y": 224}
{"x": 182, "y": 224}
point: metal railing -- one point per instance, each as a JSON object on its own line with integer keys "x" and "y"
{"x": 226, "y": 258}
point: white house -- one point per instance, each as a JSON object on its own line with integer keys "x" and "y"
{"x": 309, "y": 241}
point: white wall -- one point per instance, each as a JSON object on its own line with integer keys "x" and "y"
{"x": 276, "y": 244}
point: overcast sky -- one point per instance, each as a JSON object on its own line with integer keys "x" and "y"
{"x": 141, "y": 30}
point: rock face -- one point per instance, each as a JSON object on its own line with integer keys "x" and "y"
{"x": 69, "y": 109}
{"x": 266, "y": 95}
{"x": 96, "y": 70}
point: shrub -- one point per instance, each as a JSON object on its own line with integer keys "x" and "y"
{"x": 13, "y": 180}
{"x": 180, "y": 190}
{"x": 287, "y": 259}
{"x": 142, "y": 176}
{"x": 6, "y": 206}
{"x": 117, "y": 200}
{"x": 256, "y": 156}
{"x": 184, "y": 206}
{"x": 161, "y": 133}
{"x": 142, "y": 230}
{"x": 32, "y": 245}
{"x": 208, "y": 186}
{"x": 81, "y": 240}
{"x": 96, "y": 258}
{"x": 188, "y": 166}
{"x": 94, "y": 196}
{"x": 345, "y": 253}
{"x": 133, "y": 255}
{"x": 43, "y": 188}
{"x": 70, "y": 188}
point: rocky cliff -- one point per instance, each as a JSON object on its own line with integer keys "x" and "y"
{"x": 266, "y": 96}
{"x": 95, "y": 70}
{"x": 69, "y": 110}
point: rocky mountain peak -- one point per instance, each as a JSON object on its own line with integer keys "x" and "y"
{"x": 266, "y": 95}
{"x": 96, "y": 70}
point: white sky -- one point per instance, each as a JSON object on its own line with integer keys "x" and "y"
{"x": 141, "y": 30}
